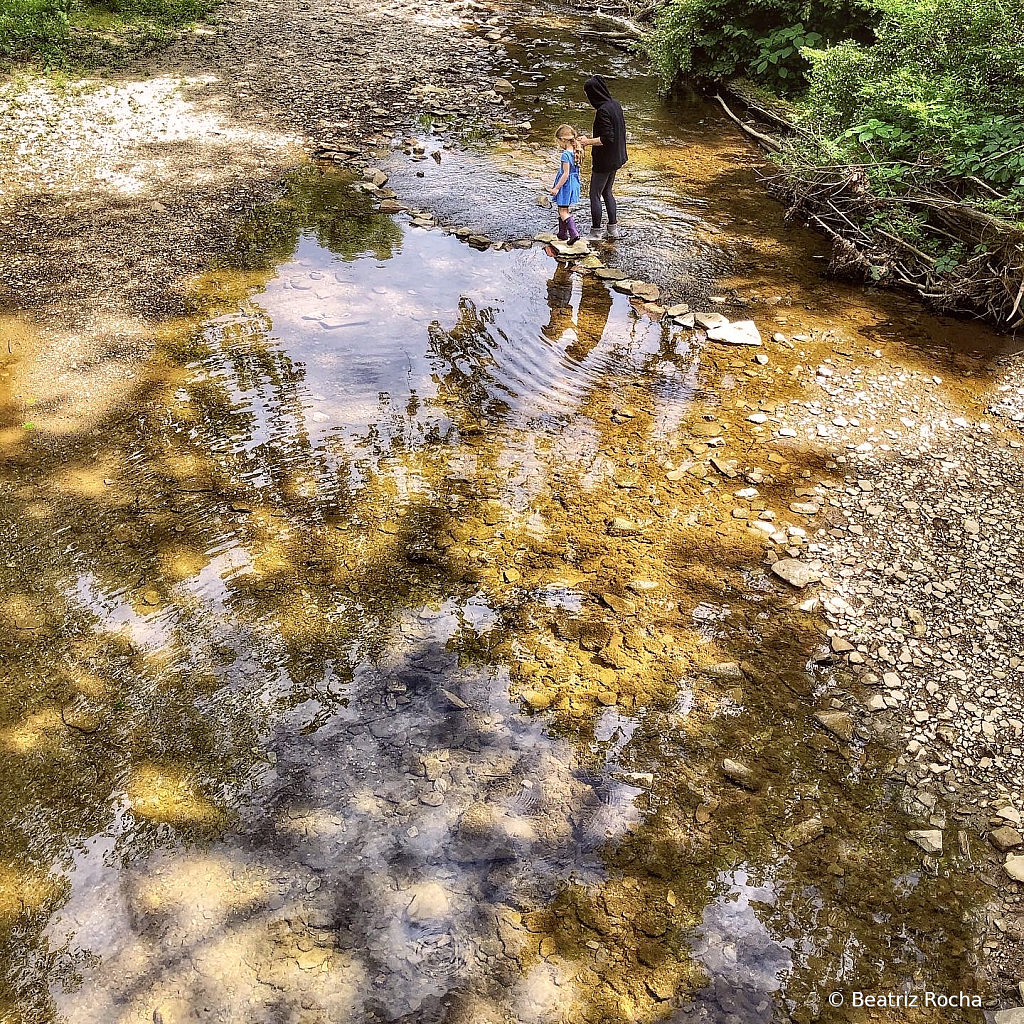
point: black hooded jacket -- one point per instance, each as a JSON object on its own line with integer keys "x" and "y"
{"x": 609, "y": 126}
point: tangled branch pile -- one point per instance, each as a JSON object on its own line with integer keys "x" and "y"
{"x": 895, "y": 126}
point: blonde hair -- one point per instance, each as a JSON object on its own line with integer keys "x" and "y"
{"x": 566, "y": 133}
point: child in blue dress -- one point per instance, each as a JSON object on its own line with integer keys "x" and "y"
{"x": 566, "y": 189}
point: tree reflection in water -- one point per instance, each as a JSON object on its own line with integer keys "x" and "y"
{"x": 342, "y": 702}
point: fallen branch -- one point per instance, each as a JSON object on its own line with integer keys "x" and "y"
{"x": 765, "y": 140}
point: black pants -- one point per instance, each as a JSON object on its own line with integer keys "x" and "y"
{"x": 601, "y": 185}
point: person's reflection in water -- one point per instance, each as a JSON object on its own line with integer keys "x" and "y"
{"x": 560, "y": 304}
{"x": 588, "y": 324}
{"x": 592, "y": 318}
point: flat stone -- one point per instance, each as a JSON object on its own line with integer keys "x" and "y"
{"x": 930, "y": 840}
{"x": 619, "y": 605}
{"x": 611, "y": 274}
{"x": 841, "y": 645}
{"x": 742, "y": 332}
{"x": 796, "y": 573}
{"x": 1005, "y": 838}
{"x": 679, "y": 309}
{"x": 581, "y": 247}
{"x": 645, "y": 291}
{"x": 1014, "y": 866}
{"x": 710, "y": 320}
{"x": 1015, "y": 1015}
{"x": 454, "y": 700}
{"x": 839, "y": 723}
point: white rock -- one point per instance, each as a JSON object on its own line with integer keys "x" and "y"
{"x": 710, "y": 320}
{"x": 1014, "y": 866}
{"x": 1015, "y": 1015}
{"x": 797, "y": 573}
{"x": 429, "y": 903}
{"x": 742, "y": 332}
{"x": 930, "y": 840}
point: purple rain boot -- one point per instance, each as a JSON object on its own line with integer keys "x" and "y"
{"x": 563, "y": 229}
{"x": 574, "y": 232}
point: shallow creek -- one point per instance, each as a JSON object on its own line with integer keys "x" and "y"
{"x": 381, "y": 664}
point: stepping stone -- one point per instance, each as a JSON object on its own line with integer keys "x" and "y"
{"x": 742, "y": 332}
{"x": 710, "y": 319}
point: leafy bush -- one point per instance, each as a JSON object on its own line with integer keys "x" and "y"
{"x": 940, "y": 86}
{"x": 39, "y": 26}
{"x": 922, "y": 93}
{"x": 61, "y": 30}
{"x": 762, "y": 39}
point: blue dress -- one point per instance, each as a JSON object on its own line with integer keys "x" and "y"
{"x": 569, "y": 193}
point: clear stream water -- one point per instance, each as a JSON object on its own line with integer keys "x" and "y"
{"x": 333, "y": 691}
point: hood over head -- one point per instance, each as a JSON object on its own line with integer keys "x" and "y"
{"x": 596, "y": 89}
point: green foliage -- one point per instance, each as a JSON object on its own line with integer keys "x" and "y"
{"x": 762, "y": 39}
{"x": 939, "y": 88}
{"x": 923, "y": 94}
{"x": 781, "y": 56}
{"x": 62, "y": 32}
{"x": 37, "y": 26}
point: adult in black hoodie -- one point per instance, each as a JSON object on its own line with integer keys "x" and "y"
{"x": 609, "y": 145}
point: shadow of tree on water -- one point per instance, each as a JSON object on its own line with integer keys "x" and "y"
{"x": 388, "y": 720}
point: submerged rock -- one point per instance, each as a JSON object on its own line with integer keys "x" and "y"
{"x": 621, "y": 527}
{"x": 797, "y": 573}
{"x": 429, "y": 903}
{"x": 805, "y": 832}
{"x": 736, "y": 771}
{"x": 725, "y": 670}
{"x": 839, "y": 723}
{"x": 930, "y": 840}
